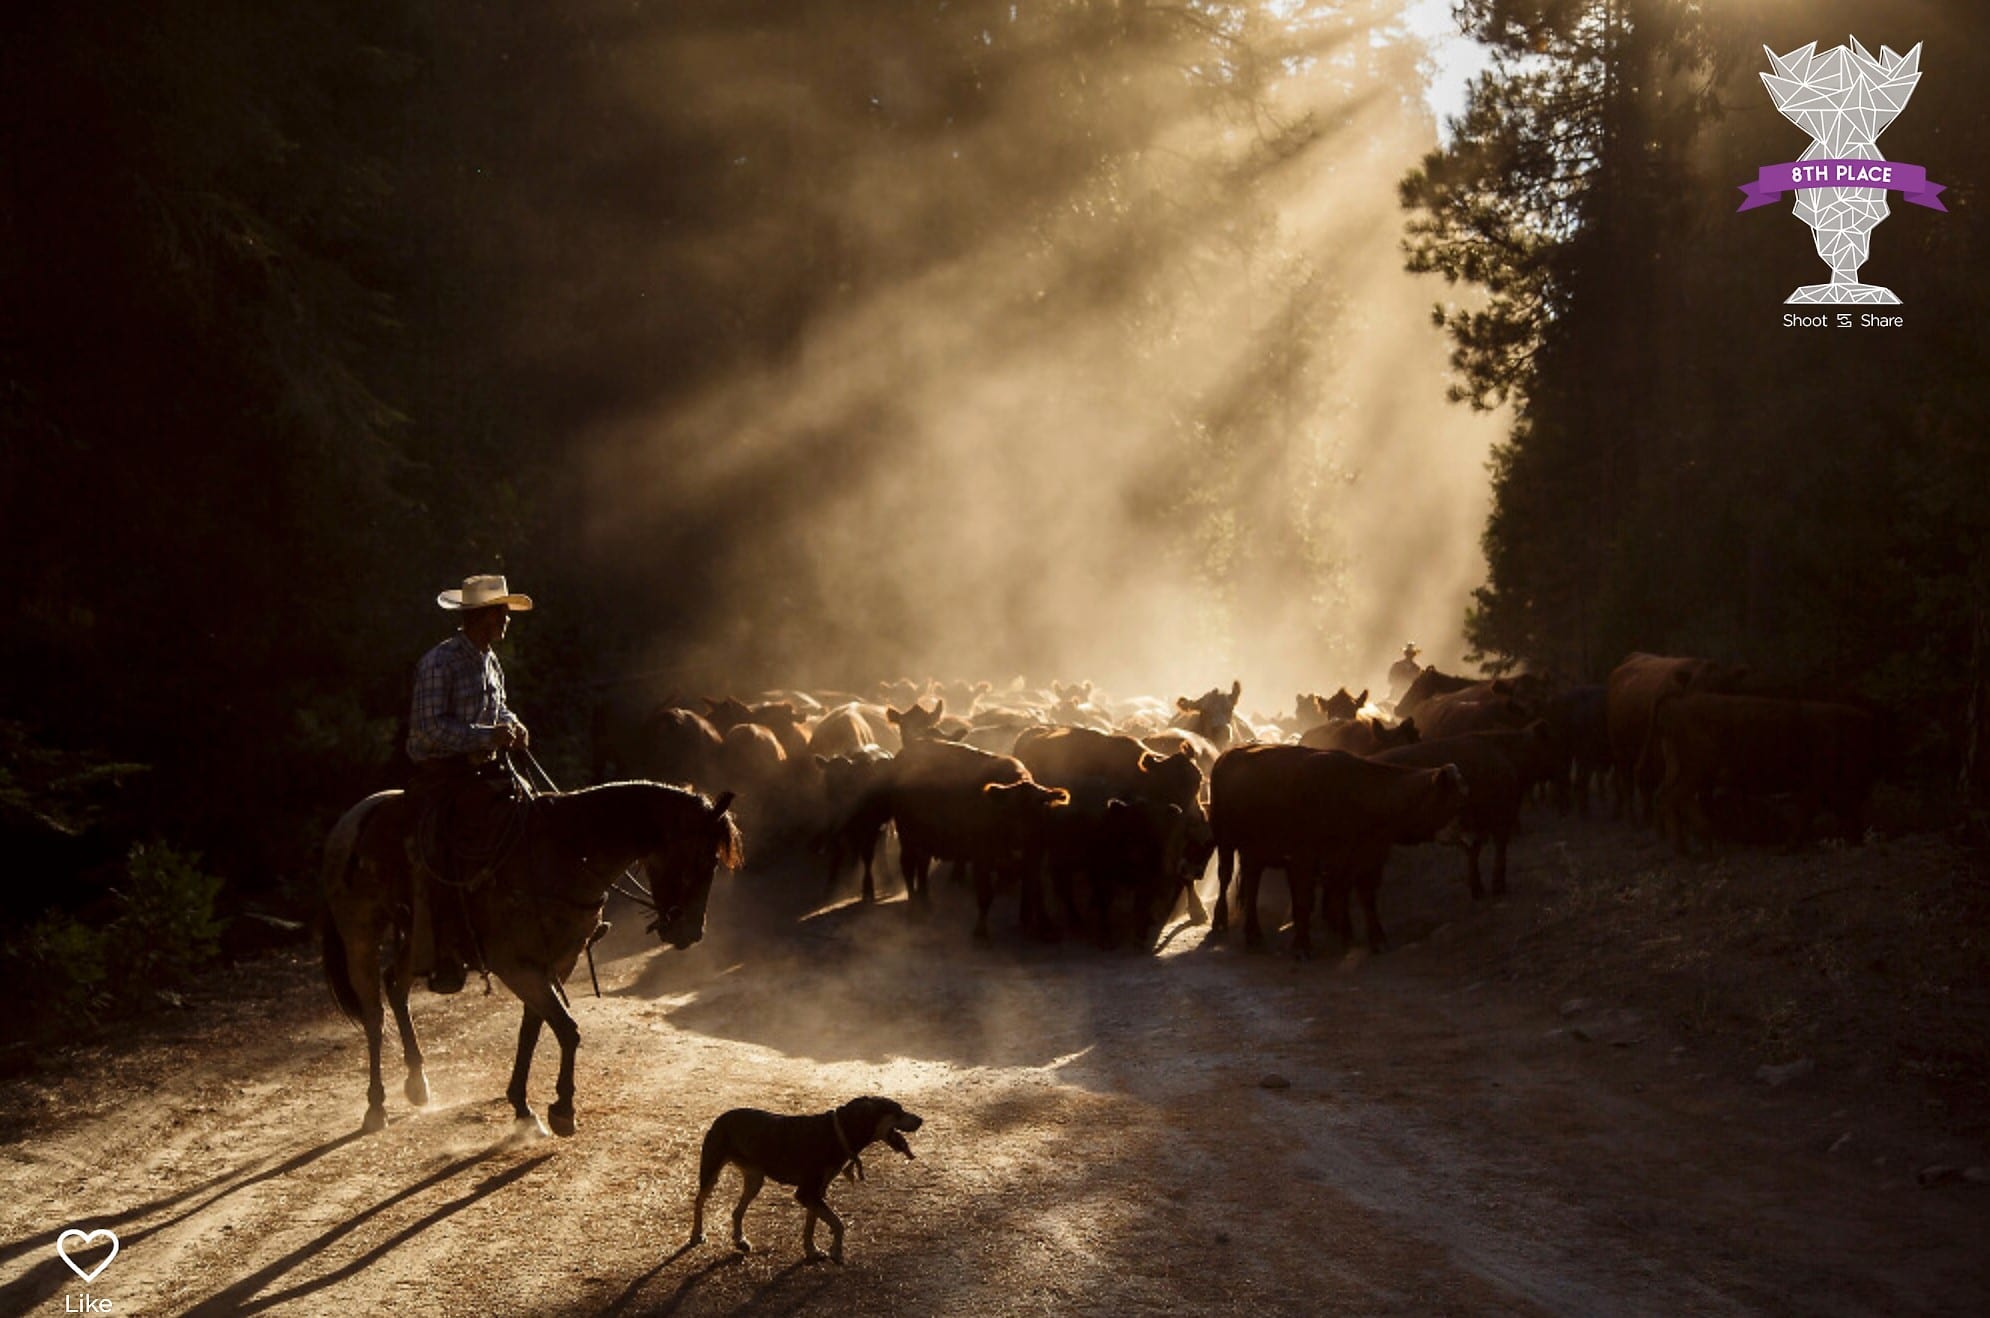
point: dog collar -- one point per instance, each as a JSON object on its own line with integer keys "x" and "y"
{"x": 848, "y": 1152}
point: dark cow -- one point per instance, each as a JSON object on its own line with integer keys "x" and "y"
{"x": 1580, "y": 717}
{"x": 1634, "y": 688}
{"x": 1361, "y": 736}
{"x": 1118, "y": 845}
{"x": 953, "y": 802}
{"x": 1822, "y": 754}
{"x": 1121, "y": 767}
{"x": 1492, "y": 804}
{"x": 1319, "y": 815}
{"x": 1212, "y": 715}
{"x": 856, "y": 807}
{"x": 1538, "y": 754}
{"x": 750, "y": 764}
{"x": 1475, "y": 709}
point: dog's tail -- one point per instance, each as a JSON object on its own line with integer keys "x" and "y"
{"x": 712, "y": 1161}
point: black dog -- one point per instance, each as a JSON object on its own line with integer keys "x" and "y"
{"x": 805, "y": 1152}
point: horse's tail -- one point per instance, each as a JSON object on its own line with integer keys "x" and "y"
{"x": 341, "y": 857}
{"x": 336, "y": 974}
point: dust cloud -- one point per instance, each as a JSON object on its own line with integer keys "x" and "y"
{"x": 1097, "y": 359}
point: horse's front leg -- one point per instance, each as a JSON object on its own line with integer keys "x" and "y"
{"x": 543, "y": 1003}
{"x": 521, "y": 1067}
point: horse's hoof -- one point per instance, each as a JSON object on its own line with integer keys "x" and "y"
{"x": 561, "y": 1117}
{"x": 417, "y": 1089}
{"x": 742, "y": 1244}
{"x": 528, "y": 1127}
{"x": 376, "y": 1121}
{"x": 697, "y": 1238}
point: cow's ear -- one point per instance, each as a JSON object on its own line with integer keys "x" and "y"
{"x": 939, "y": 706}
{"x": 1236, "y": 688}
{"x": 719, "y": 806}
{"x": 894, "y": 716}
{"x": 1183, "y": 702}
{"x": 1147, "y": 760}
{"x": 1362, "y": 699}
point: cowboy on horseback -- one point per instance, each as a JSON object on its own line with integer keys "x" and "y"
{"x": 458, "y": 732}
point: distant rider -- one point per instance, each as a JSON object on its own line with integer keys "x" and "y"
{"x": 1403, "y": 672}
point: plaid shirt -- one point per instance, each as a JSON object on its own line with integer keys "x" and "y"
{"x": 459, "y": 701}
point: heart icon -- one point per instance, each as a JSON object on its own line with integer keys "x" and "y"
{"x": 86, "y": 1240}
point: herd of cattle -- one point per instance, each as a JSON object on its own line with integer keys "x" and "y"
{"x": 1078, "y": 803}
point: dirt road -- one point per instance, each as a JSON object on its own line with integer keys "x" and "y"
{"x": 1201, "y": 1131}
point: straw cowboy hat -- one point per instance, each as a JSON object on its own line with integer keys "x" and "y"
{"x": 1410, "y": 650}
{"x": 483, "y": 592}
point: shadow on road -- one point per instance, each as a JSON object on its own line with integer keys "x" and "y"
{"x": 245, "y": 1296}
{"x": 45, "y": 1278}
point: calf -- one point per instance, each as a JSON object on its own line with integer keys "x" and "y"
{"x": 1319, "y": 815}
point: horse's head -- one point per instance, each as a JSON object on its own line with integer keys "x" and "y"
{"x": 681, "y": 871}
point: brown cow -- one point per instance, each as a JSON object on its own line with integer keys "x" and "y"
{"x": 842, "y": 731}
{"x": 916, "y": 722}
{"x": 1212, "y": 715}
{"x": 943, "y": 811}
{"x": 1361, "y": 736}
{"x": 1430, "y": 684}
{"x": 1752, "y": 746}
{"x": 856, "y": 807}
{"x": 1634, "y": 687}
{"x": 1310, "y": 711}
{"x": 1318, "y": 814}
{"x": 1180, "y": 741}
{"x": 1493, "y": 794}
{"x": 1117, "y": 766}
{"x": 679, "y": 747}
{"x": 1475, "y": 709}
{"x": 1118, "y": 846}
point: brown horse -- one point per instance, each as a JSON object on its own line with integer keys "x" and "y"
{"x": 532, "y": 917}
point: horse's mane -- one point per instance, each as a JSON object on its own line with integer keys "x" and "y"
{"x": 638, "y": 813}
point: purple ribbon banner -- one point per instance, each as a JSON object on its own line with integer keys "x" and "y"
{"x": 1910, "y": 181}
